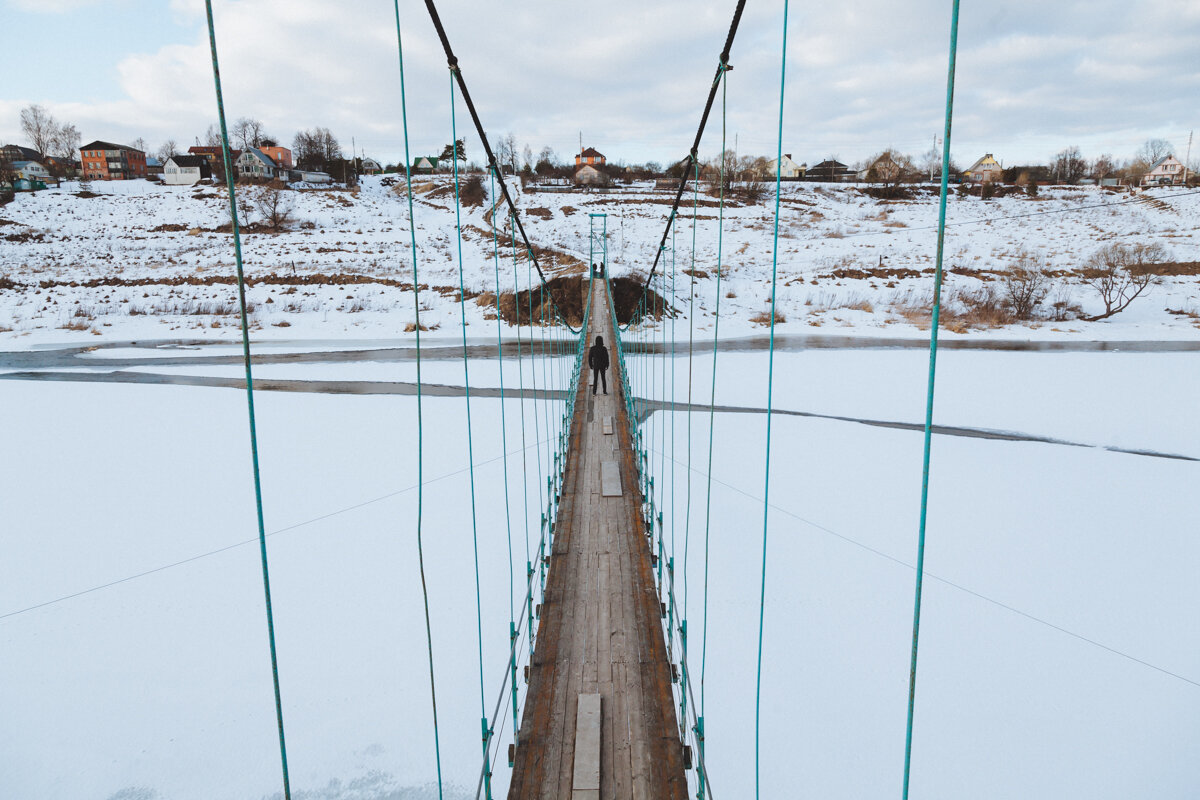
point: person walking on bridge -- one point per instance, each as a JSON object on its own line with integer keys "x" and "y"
{"x": 598, "y": 361}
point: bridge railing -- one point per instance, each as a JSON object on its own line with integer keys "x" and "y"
{"x": 674, "y": 621}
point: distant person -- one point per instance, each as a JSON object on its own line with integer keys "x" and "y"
{"x": 598, "y": 361}
{"x": 601, "y": 269}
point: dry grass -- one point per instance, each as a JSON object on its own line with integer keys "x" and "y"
{"x": 764, "y": 318}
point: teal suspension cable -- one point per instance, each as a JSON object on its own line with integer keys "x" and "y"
{"x": 933, "y": 344}
{"x": 503, "y": 419}
{"x": 462, "y": 306}
{"x": 512, "y": 625}
{"x": 258, "y": 501}
{"x": 412, "y": 229}
{"x": 712, "y": 416}
{"x": 762, "y": 593}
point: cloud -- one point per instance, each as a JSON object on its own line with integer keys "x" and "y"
{"x": 631, "y": 76}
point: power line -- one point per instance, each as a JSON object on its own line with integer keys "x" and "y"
{"x": 245, "y": 542}
{"x": 959, "y": 586}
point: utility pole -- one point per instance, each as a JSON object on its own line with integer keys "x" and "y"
{"x": 1187, "y": 159}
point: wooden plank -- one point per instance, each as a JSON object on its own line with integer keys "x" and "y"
{"x": 607, "y": 425}
{"x": 585, "y": 783}
{"x": 610, "y": 479}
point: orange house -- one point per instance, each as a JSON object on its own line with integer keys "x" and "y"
{"x": 280, "y": 155}
{"x": 590, "y": 156}
{"x": 105, "y": 161}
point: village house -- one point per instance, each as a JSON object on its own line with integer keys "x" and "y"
{"x": 786, "y": 168}
{"x": 829, "y": 170}
{"x": 425, "y": 165}
{"x": 280, "y": 155}
{"x": 587, "y": 175}
{"x": 255, "y": 165}
{"x": 884, "y": 169}
{"x": 15, "y": 152}
{"x": 369, "y": 166}
{"x": 186, "y": 170}
{"x": 1166, "y": 171}
{"x": 105, "y": 161}
{"x": 590, "y": 156}
{"x": 215, "y": 157}
{"x": 985, "y": 170}
{"x": 29, "y": 175}
{"x": 153, "y": 166}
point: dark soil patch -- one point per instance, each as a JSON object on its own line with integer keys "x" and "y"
{"x": 886, "y": 273}
{"x": 24, "y": 237}
{"x": 540, "y": 213}
{"x": 569, "y": 293}
{"x": 8, "y": 283}
{"x": 86, "y": 195}
{"x": 1174, "y": 268}
{"x": 170, "y": 227}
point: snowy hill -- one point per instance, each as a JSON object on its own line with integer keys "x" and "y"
{"x": 141, "y": 260}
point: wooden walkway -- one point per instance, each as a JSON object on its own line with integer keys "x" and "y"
{"x": 600, "y": 627}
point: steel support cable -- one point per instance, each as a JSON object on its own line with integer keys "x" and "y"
{"x": 933, "y": 345}
{"x": 722, "y": 67}
{"x": 462, "y": 306}
{"x": 762, "y": 593}
{"x": 412, "y": 229}
{"x": 258, "y": 501}
{"x": 524, "y": 460}
{"x": 512, "y": 627}
{"x": 452, "y": 60}
{"x": 712, "y": 416}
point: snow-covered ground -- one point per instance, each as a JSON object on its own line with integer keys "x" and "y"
{"x": 848, "y": 263}
{"x": 1056, "y": 657}
{"x": 140, "y": 689}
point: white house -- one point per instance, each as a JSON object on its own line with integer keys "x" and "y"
{"x": 1165, "y": 171}
{"x": 789, "y": 168}
{"x": 30, "y": 171}
{"x": 254, "y": 163}
{"x": 185, "y": 170}
{"x": 371, "y": 167}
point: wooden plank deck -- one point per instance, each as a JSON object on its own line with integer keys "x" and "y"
{"x": 600, "y": 625}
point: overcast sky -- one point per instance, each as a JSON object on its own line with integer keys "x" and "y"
{"x": 630, "y": 75}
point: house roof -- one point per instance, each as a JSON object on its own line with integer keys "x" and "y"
{"x": 102, "y": 145}
{"x": 980, "y": 162}
{"x": 188, "y": 161}
{"x": 261, "y": 156}
{"x": 591, "y": 152}
{"x": 835, "y": 165}
{"x": 1161, "y": 161}
{"x": 25, "y": 164}
{"x": 25, "y": 153}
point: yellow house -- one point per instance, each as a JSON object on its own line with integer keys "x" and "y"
{"x": 985, "y": 170}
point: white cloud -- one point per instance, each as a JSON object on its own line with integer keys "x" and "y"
{"x": 863, "y": 74}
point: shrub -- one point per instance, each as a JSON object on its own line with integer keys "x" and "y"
{"x": 471, "y": 192}
{"x": 1025, "y": 286}
{"x": 1121, "y": 273}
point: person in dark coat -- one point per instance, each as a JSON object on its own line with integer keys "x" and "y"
{"x": 598, "y": 361}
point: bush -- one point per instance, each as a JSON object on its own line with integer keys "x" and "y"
{"x": 1025, "y": 286}
{"x": 6, "y": 196}
{"x": 471, "y": 192}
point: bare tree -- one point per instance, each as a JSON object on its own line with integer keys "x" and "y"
{"x": 140, "y": 144}
{"x": 1120, "y": 273}
{"x": 503, "y": 150}
{"x": 248, "y": 132}
{"x": 66, "y": 142}
{"x": 527, "y": 159}
{"x": 1154, "y": 149}
{"x": 39, "y": 128}
{"x": 1025, "y": 285}
{"x": 212, "y": 136}
{"x": 316, "y": 148}
{"x": 1069, "y": 165}
{"x": 1104, "y": 167}
{"x": 275, "y": 203}
{"x": 168, "y": 149}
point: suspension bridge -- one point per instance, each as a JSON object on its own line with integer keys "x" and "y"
{"x": 602, "y": 685}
